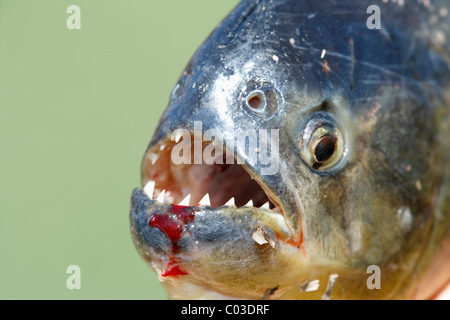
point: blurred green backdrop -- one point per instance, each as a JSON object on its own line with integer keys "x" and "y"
{"x": 77, "y": 110}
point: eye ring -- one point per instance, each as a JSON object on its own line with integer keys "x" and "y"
{"x": 322, "y": 145}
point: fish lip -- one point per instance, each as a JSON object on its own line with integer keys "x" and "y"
{"x": 207, "y": 232}
{"x": 143, "y": 208}
{"x": 152, "y": 206}
{"x": 280, "y": 207}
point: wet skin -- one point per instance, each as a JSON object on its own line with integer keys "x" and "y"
{"x": 363, "y": 156}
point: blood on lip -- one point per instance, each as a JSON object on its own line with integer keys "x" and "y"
{"x": 173, "y": 269}
{"x": 172, "y": 224}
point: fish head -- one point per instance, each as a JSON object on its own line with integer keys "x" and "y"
{"x": 291, "y": 155}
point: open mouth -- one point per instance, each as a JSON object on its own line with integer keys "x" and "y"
{"x": 199, "y": 218}
{"x": 223, "y": 183}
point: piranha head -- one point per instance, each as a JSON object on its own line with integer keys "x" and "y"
{"x": 297, "y": 154}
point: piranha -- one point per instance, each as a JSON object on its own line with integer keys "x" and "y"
{"x": 305, "y": 154}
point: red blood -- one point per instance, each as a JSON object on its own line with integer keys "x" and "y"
{"x": 171, "y": 228}
{"x": 173, "y": 269}
{"x": 181, "y": 213}
{"x": 172, "y": 224}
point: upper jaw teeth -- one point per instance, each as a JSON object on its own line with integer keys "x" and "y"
{"x": 149, "y": 190}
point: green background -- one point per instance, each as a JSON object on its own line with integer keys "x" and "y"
{"x": 77, "y": 110}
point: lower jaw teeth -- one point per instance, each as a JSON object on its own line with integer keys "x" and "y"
{"x": 205, "y": 201}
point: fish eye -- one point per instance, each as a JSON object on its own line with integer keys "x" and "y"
{"x": 256, "y": 100}
{"x": 322, "y": 146}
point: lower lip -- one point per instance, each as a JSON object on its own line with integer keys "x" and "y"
{"x": 171, "y": 224}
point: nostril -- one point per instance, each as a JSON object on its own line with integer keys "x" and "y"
{"x": 256, "y": 100}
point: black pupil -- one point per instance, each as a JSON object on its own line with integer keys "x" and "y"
{"x": 325, "y": 148}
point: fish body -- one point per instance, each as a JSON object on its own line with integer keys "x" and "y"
{"x": 337, "y": 132}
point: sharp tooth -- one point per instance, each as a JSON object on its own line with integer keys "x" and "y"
{"x": 230, "y": 203}
{"x": 205, "y": 201}
{"x": 310, "y": 286}
{"x": 162, "y": 147}
{"x": 153, "y": 158}
{"x": 161, "y": 196}
{"x": 262, "y": 237}
{"x": 250, "y": 203}
{"x": 149, "y": 188}
{"x": 266, "y": 206}
{"x": 185, "y": 201}
{"x": 258, "y": 236}
{"x": 330, "y": 286}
